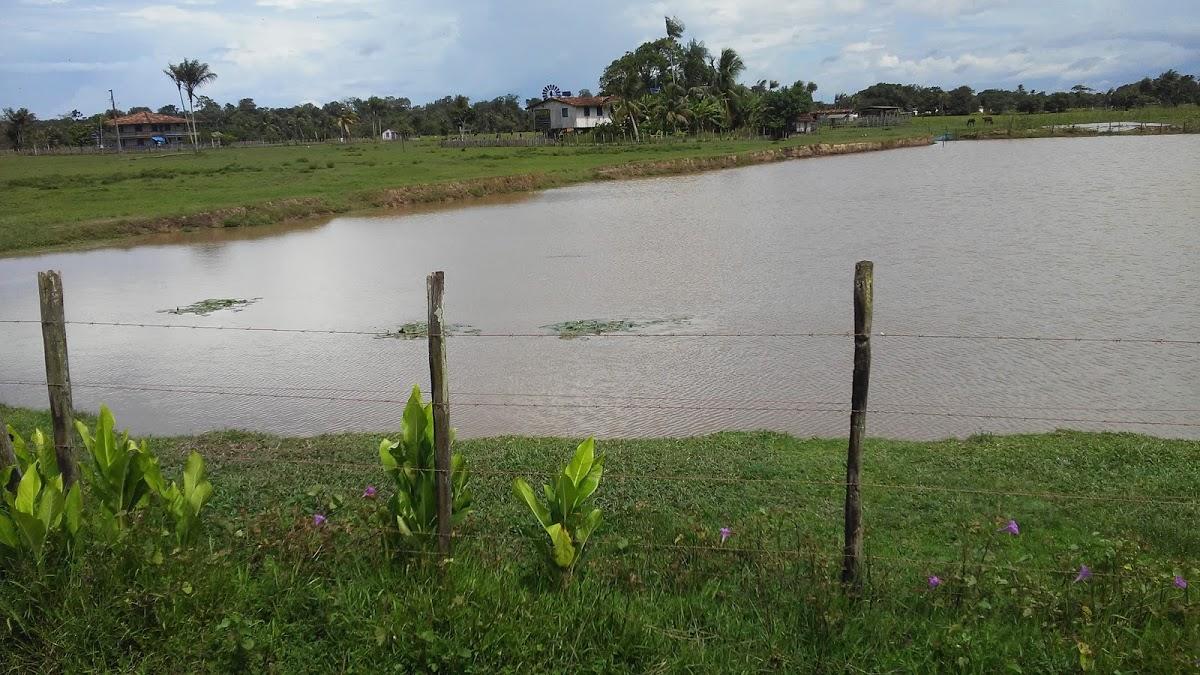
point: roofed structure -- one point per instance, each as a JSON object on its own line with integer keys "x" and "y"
{"x": 149, "y": 130}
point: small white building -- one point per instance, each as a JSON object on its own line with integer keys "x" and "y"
{"x": 389, "y": 135}
{"x": 560, "y": 113}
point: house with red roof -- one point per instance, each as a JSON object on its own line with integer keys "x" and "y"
{"x": 149, "y": 130}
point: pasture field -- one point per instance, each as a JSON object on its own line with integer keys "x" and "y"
{"x": 85, "y": 200}
{"x": 270, "y": 590}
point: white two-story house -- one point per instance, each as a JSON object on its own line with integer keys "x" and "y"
{"x": 560, "y": 113}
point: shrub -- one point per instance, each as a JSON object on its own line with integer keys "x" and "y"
{"x": 411, "y": 513}
{"x": 120, "y": 473}
{"x": 35, "y": 515}
{"x": 183, "y": 505}
{"x": 563, "y": 517}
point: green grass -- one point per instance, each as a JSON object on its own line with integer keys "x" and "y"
{"x": 658, "y": 593}
{"x": 56, "y": 201}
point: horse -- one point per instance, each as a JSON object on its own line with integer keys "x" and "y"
{"x": 987, "y": 120}
{"x": 971, "y": 122}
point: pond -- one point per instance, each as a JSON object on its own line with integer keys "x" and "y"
{"x": 1084, "y": 237}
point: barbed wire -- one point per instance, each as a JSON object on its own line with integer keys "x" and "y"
{"x": 775, "y": 334}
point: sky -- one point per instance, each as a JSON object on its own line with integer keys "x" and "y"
{"x": 60, "y": 55}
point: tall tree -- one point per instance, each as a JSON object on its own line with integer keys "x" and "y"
{"x": 174, "y": 71}
{"x": 192, "y": 75}
{"x": 18, "y": 121}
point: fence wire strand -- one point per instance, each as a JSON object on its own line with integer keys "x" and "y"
{"x": 715, "y": 334}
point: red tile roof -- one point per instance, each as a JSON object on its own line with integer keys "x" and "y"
{"x": 147, "y": 118}
{"x": 580, "y": 101}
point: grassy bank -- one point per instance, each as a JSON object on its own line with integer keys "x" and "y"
{"x": 57, "y": 201}
{"x": 659, "y": 591}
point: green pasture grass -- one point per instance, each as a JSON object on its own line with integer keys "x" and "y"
{"x": 72, "y": 200}
{"x": 658, "y": 591}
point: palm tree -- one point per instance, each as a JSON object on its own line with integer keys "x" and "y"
{"x": 346, "y": 119}
{"x": 192, "y": 75}
{"x": 729, "y": 68}
{"x": 18, "y": 121}
{"x": 629, "y": 109}
{"x": 672, "y": 108}
{"x": 707, "y": 113}
{"x": 175, "y": 73}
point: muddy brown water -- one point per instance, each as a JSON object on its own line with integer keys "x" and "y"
{"x": 1093, "y": 237}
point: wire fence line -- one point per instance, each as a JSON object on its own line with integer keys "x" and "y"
{"x": 54, "y": 331}
{"x": 616, "y": 406}
{"x": 776, "y": 334}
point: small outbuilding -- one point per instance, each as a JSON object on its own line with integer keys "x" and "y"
{"x": 805, "y": 124}
{"x": 835, "y": 116}
{"x": 390, "y": 135}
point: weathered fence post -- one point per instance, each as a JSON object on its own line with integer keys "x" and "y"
{"x": 8, "y": 457}
{"x": 863, "y": 301}
{"x": 440, "y": 393}
{"x": 58, "y": 373}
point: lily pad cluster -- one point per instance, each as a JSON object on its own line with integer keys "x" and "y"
{"x": 420, "y": 329}
{"x": 206, "y": 307}
{"x": 585, "y": 327}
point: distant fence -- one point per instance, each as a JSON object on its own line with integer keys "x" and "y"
{"x": 59, "y": 387}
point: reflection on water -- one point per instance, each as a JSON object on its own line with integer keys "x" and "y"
{"x": 1078, "y": 237}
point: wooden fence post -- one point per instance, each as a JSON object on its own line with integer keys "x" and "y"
{"x": 58, "y": 373}
{"x": 863, "y": 301}
{"x": 440, "y": 393}
{"x": 8, "y": 457}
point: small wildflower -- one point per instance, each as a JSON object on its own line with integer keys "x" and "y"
{"x": 726, "y": 533}
{"x": 369, "y": 493}
{"x": 1011, "y": 528}
{"x": 318, "y": 519}
{"x": 934, "y": 581}
{"x": 1180, "y": 582}
{"x": 1085, "y": 573}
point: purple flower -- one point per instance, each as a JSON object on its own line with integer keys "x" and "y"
{"x": 1085, "y": 573}
{"x": 934, "y": 581}
{"x": 369, "y": 493}
{"x": 726, "y": 533}
{"x": 1011, "y": 528}
{"x": 318, "y": 519}
{"x": 1180, "y": 582}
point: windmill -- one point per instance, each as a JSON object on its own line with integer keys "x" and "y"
{"x": 550, "y": 91}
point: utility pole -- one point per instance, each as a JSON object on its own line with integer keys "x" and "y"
{"x": 112, "y": 99}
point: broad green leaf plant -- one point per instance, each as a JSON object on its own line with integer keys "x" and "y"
{"x": 40, "y": 511}
{"x": 566, "y": 516}
{"x": 184, "y": 504}
{"x": 411, "y": 513}
{"x": 121, "y": 474}
{"x": 125, "y": 477}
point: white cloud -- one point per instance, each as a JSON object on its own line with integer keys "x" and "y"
{"x": 860, "y": 47}
{"x": 280, "y": 52}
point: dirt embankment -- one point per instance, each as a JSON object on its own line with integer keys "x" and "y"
{"x": 300, "y": 208}
{"x": 691, "y": 165}
{"x": 452, "y": 191}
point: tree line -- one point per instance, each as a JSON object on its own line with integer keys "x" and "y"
{"x": 666, "y": 86}
{"x": 1168, "y": 89}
